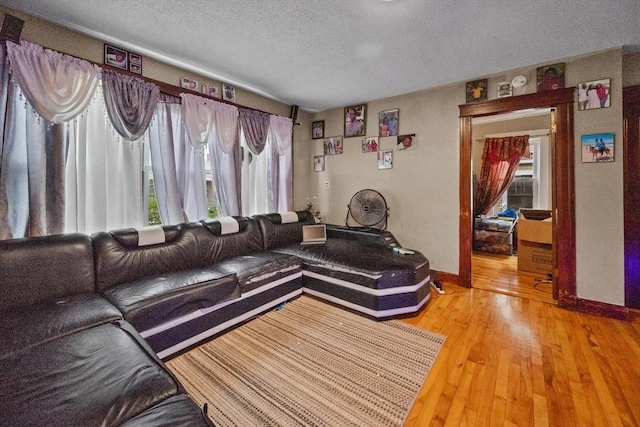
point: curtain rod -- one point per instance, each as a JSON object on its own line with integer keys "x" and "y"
{"x": 536, "y": 132}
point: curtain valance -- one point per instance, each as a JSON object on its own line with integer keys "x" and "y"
{"x": 226, "y": 119}
{"x": 130, "y": 103}
{"x": 281, "y": 131}
{"x": 255, "y": 125}
{"x": 59, "y": 87}
{"x": 198, "y": 116}
{"x": 506, "y": 148}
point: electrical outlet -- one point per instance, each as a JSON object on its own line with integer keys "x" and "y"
{"x": 326, "y": 184}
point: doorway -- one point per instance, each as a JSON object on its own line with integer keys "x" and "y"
{"x": 497, "y": 264}
{"x": 563, "y": 200}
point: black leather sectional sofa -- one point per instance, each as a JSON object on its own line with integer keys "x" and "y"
{"x": 86, "y": 320}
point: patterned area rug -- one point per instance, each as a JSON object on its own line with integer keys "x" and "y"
{"x": 310, "y": 364}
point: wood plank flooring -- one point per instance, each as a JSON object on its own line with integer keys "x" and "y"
{"x": 513, "y": 361}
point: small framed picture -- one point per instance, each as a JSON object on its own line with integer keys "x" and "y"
{"x": 598, "y": 148}
{"x": 189, "y": 84}
{"x": 476, "y": 90}
{"x": 355, "y": 121}
{"x": 317, "y": 129}
{"x": 116, "y": 57}
{"x": 550, "y": 77}
{"x": 370, "y": 144}
{"x": 333, "y": 145}
{"x": 318, "y": 163}
{"x": 210, "y": 90}
{"x": 228, "y": 92}
{"x": 504, "y": 89}
{"x": 593, "y": 95}
{"x": 385, "y": 159}
{"x": 388, "y": 122}
{"x": 407, "y": 142}
{"x": 135, "y": 63}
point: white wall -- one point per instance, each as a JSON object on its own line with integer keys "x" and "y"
{"x": 422, "y": 188}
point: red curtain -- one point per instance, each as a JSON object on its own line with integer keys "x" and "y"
{"x": 500, "y": 160}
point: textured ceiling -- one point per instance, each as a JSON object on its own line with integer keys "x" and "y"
{"x": 321, "y": 54}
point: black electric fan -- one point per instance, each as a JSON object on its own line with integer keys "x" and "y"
{"x": 368, "y": 208}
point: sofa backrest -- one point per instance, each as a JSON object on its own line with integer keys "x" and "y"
{"x": 130, "y": 254}
{"x": 38, "y": 269}
{"x": 231, "y": 237}
{"x": 282, "y": 229}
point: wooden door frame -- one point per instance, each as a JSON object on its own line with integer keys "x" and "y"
{"x": 563, "y": 182}
{"x": 631, "y": 180}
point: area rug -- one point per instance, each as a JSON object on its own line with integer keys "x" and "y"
{"x": 310, "y": 363}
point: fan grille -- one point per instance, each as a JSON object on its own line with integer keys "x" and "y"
{"x": 368, "y": 208}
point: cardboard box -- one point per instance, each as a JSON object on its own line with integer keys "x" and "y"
{"x": 535, "y": 226}
{"x": 535, "y": 257}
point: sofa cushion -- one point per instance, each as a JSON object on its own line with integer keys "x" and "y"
{"x": 277, "y": 234}
{"x": 153, "y": 300}
{"x": 260, "y": 268}
{"x": 101, "y": 376}
{"x": 53, "y": 319}
{"x": 119, "y": 257}
{"x": 176, "y": 411}
{"x": 37, "y": 269}
{"x": 219, "y": 247}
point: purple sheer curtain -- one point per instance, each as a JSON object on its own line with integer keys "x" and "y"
{"x": 500, "y": 160}
{"x": 255, "y": 125}
{"x": 130, "y": 103}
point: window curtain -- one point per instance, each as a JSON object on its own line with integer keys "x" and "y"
{"x": 500, "y": 160}
{"x": 130, "y": 103}
{"x": 255, "y": 170}
{"x": 103, "y": 188}
{"x": 280, "y": 180}
{"x": 59, "y": 87}
{"x": 255, "y": 125}
{"x": 48, "y": 88}
{"x": 178, "y": 167}
{"x": 224, "y": 152}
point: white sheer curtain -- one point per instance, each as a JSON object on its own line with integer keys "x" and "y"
{"x": 225, "y": 162}
{"x": 281, "y": 175}
{"x": 103, "y": 175}
{"x": 255, "y": 170}
{"x": 178, "y": 167}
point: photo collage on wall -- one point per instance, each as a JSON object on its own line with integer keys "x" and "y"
{"x": 355, "y": 120}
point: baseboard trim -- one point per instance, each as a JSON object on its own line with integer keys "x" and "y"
{"x": 602, "y": 309}
{"x": 445, "y": 277}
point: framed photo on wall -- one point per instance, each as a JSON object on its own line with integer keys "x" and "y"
{"x": 476, "y": 90}
{"x": 355, "y": 121}
{"x": 370, "y": 144}
{"x": 190, "y": 84}
{"x": 333, "y": 145}
{"x": 388, "y": 122}
{"x": 385, "y": 159}
{"x": 317, "y": 129}
{"x": 318, "y": 163}
{"x": 135, "y": 63}
{"x": 407, "y": 142}
{"x": 116, "y": 57}
{"x": 210, "y": 90}
{"x": 504, "y": 89}
{"x": 595, "y": 94}
{"x": 228, "y": 92}
{"x": 550, "y": 77}
{"x": 598, "y": 148}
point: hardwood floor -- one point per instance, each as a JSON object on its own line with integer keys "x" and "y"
{"x": 499, "y": 273}
{"x": 521, "y": 361}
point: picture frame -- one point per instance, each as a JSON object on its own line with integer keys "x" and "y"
{"x": 190, "y": 84}
{"x": 598, "y": 148}
{"x": 594, "y": 95}
{"x": 210, "y": 90}
{"x": 135, "y": 63}
{"x": 476, "y": 90}
{"x": 370, "y": 144}
{"x": 385, "y": 159}
{"x": 407, "y": 142}
{"x": 318, "y": 163}
{"x": 333, "y": 145}
{"x": 504, "y": 89}
{"x": 388, "y": 122}
{"x": 355, "y": 123}
{"x": 550, "y": 77}
{"x": 317, "y": 129}
{"x": 116, "y": 57}
{"x": 228, "y": 92}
